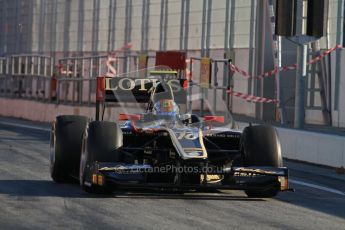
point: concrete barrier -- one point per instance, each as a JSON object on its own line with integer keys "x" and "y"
{"x": 37, "y": 111}
{"x": 44, "y": 112}
{"x": 317, "y": 148}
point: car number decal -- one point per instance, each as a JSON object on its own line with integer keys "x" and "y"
{"x": 187, "y": 136}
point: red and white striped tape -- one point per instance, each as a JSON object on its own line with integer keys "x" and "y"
{"x": 252, "y": 98}
{"x": 324, "y": 54}
{"x": 264, "y": 75}
{"x": 284, "y": 68}
{"x": 127, "y": 46}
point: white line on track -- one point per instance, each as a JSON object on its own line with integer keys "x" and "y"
{"x": 331, "y": 190}
{"x": 24, "y": 126}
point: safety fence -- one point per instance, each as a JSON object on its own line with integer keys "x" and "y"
{"x": 81, "y": 91}
{"x": 26, "y": 76}
{"x": 73, "y": 79}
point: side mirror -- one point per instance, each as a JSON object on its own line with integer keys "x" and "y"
{"x": 219, "y": 119}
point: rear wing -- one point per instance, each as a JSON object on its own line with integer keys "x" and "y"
{"x": 137, "y": 90}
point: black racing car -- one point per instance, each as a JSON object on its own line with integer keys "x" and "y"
{"x": 168, "y": 136}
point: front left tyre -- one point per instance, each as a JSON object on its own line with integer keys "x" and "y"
{"x": 261, "y": 147}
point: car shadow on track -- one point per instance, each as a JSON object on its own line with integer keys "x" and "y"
{"x": 212, "y": 197}
{"x": 47, "y": 188}
{"x": 176, "y": 195}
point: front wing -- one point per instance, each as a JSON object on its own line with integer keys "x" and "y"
{"x": 235, "y": 178}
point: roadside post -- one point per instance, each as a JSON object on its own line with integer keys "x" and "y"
{"x": 205, "y": 79}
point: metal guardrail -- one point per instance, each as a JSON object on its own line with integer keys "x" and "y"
{"x": 76, "y": 91}
{"x": 32, "y": 77}
{"x": 26, "y": 76}
{"x": 30, "y": 87}
{"x": 93, "y": 66}
{"x": 72, "y": 81}
{"x": 27, "y": 64}
{"x": 71, "y": 91}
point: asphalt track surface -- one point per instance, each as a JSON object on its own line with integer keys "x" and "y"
{"x": 29, "y": 199}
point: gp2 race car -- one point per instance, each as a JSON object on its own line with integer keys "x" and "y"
{"x": 164, "y": 140}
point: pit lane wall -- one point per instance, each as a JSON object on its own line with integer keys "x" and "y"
{"x": 47, "y": 112}
{"x": 316, "y": 148}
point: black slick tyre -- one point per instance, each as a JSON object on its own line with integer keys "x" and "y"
{"x": 65, "y": 146}
{"x": 101, "y": 143}
{"x": 261, "y": 147}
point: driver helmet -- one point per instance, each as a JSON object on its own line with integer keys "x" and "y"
{"x": 166, "y": 107}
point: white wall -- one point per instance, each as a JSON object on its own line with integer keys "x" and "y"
{"x": 174, "y": 22}
{"x": 333, "y": 18}
{"x": 241, "y": 34}
{"x": 338, "y": 115}
{"x": 136, "y": 24}
{"x": 313, "y": 147}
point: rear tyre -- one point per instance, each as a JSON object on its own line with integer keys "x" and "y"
{"x": 101, "y": 143}
{"x": 65, "y": 146}
{"x": 261, "y": 147}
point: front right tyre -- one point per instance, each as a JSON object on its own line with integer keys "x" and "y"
{"x": 102, "y": 141}
{"x": 65, "y": 146}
